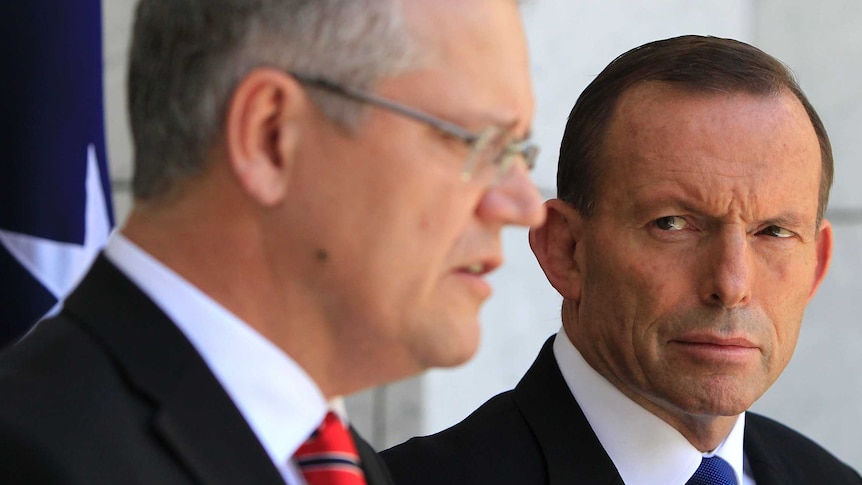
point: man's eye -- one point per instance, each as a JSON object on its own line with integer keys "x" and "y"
{"x": 776, "y": 231}
{"x": 671, "y": 223}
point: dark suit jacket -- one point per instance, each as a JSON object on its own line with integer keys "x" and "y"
{"x": 537, "y": 434}
{"x": 111, "y": 392}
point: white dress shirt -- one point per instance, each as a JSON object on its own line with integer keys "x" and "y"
{"x": 645, "y": 449}
{"x": 280, "y": 402}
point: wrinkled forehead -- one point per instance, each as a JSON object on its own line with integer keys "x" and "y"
{"x": 658, "y": 126}
{"x": 665, "y": 110}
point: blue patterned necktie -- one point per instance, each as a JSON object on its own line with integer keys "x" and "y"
{"x": 713, "y": 471}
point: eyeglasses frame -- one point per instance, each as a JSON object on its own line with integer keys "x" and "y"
{"x": 527, "y": 150}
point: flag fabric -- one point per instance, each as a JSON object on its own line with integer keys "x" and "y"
{"x": 55, "y": 204}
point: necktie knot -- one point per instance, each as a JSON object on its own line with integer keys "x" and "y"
{"x": 713, "y": 471}
{"x": 329, "y": 456}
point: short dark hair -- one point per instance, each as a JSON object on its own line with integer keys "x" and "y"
{"x": 695, "y": 63}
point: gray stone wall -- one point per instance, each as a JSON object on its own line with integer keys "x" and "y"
{"x": 117, "y": 25}
{"x": 820, "y": 393}
{"x": 571, "y": 41}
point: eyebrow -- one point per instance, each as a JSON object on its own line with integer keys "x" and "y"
{"x": 510, "y": 125}
{"x": 787, "y": 219}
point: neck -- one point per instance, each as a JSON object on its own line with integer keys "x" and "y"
{"x": 225, "y": 255}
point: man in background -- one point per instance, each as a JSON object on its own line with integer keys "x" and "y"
{"x": 687, "y": 239}
{"x": 319, "y": 192}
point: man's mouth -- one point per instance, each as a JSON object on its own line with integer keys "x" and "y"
{"x": 477, "y": 269}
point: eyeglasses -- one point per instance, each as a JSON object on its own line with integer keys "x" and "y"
{"x": 492, "y": 148}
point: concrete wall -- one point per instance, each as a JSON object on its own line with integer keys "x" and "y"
{"x": 820, "y": 393}
{"x": 117, "y": 25}
{"x": 571, "y": 41}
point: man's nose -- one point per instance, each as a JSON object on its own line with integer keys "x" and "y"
{"x": 513, "y": 200}
{"x": 728, "y": 269}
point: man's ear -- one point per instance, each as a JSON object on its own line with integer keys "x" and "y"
{"x": 554, "y": 245}
{"x": 823, "y": 245}
{"x": 262, "y": 132}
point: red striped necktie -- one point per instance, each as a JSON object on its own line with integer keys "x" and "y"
{"x": 329, "y": 456}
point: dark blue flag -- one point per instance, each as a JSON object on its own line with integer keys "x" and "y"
{"x": 55, "y": 204}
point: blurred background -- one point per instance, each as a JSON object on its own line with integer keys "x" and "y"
{"x": 820, "y": 393}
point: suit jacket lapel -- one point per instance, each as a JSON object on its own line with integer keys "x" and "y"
{"x": 766, "y": 470}
{"x": 570, "y": 447}
{"x": 373, "y": 467}
{"x": 192, "y": 413}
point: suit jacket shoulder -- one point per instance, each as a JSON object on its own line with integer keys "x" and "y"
{"x": 373, "y": 467}
{"x": 533, "y": 434}
{"x": 110, "y": 391}
{"x": 780, "y": 455}
{"x": 491, "y": 443}
{"x": 537, "y": 434}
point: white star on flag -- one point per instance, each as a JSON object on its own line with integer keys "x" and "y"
{"x": 57, "y": 265}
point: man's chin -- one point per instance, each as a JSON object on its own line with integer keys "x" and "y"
{"x": 454, "y": 349}
{"x": 716, "y": 401}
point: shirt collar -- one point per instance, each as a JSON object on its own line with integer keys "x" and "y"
{"x": 645, "y": 449}
{"x": 280, "y": 402}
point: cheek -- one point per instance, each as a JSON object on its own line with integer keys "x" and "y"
{"x": 788, "y": 336}
{"x": 638, "y": 292}
{"x": 412, "y": 244}
{"x": 783, "y": 291}
{"x": 635, "y": 286}
{"x": 615, "y": 295}
{"x": 786, "y": 318}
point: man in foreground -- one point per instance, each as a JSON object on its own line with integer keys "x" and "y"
{"x": 319, "y": 191}
{"x": 687, "y": 239}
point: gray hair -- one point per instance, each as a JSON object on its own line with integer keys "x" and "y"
{"x": 187, "y": 57}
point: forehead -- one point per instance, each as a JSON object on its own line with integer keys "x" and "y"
{"x": 470, "y": 53}
{"x": 711, "y": 141}
{"x": 449, "y": 25}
